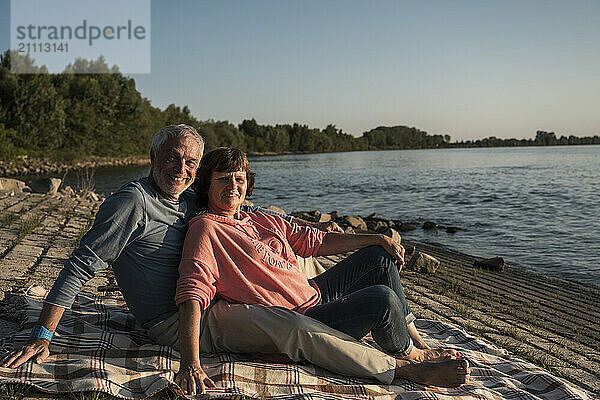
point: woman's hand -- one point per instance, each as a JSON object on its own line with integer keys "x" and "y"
{"x": 192, "y": 379}
{"x": 394, "y": 248}
{"x": 329, "y": 226}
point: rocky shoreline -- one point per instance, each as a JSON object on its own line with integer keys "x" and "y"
{"x": 41, "y": 166}
{"x": 550, "y": 322}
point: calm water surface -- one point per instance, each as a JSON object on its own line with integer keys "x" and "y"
{"x": 537, "y": 206}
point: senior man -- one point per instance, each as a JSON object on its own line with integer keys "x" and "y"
{"x": 139, "y": 230}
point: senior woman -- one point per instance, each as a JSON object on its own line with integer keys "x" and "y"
{"x": 250, "y": 258}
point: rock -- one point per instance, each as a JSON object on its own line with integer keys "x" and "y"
{"x": 47, "y": 185}
{"x": 377, "y": 225}
{"x": 493, "y": 264}
{"x": 355, "y": 222}
{"x": 394, "y": 235}
{"x": 68, "y": 190}
{"x": 428, "y": 225}
{"x": 324, "y": 217}
{"x": 334, "y": 215}
{"x": 308, "y": 215}
{"x": 349, "y": 230}
{"x": 405, "y": 227}
{"x": 276, "y": 209}
{"x": 11, "y": 185}
{"x": 421, "y": 262}
{"x": 92, "y": 195}
{"x": 452, "y": 229}
{"x": 372, "y": 216}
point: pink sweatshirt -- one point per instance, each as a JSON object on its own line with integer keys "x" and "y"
{"x": 248, "y": 261}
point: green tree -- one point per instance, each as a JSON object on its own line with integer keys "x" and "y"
{"x": 39, "y": 114}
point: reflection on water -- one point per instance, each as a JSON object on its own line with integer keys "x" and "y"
{"x": 535, "y": 206}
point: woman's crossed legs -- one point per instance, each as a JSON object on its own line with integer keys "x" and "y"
{"x": 363, "y": 294}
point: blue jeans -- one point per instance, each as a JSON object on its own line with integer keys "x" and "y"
{"x": 363, "y": 294}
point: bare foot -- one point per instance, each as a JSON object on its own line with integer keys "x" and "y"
{"x": 422, "y": 355}
{"x": 449, "y": 373}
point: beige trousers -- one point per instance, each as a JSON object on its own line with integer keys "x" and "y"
{"x": 242, "y": 328}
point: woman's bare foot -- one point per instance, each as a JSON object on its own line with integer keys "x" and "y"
{"x": 449, "y": 373}
{"x": 423, "y": 355}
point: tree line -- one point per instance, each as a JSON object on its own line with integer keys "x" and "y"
{"x": 87, "y": 111}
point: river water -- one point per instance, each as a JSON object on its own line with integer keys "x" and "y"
{"x": 537, "y": 207}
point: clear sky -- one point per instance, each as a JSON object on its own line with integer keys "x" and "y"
{"x": 470, "y": 69}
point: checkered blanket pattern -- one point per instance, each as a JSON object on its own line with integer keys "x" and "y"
{"x": 99, "y": 347}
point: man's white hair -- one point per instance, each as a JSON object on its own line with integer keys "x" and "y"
{"x": 175, "y": 131}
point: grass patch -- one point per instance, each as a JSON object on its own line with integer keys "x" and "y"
{"x": 474, "y": 328}
{"x": 92, "y": 395}
{"x": 29, "y": 225}
{"x": 7, "y": 219}
{"x": 13, "y": 391}
{"x": 169, "y": 394}
{"x": 513, "y": 332}
{"x": 463, "y": 310}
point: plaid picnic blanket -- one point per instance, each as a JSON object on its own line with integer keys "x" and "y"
{"x": 98, "y": 346}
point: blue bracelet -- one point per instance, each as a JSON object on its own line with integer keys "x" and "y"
{"x": 40, "y": 332}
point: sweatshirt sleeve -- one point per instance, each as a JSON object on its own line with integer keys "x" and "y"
{"x": 198, "y": 271}
{"x": 120, "y": 219}
{"x": 304, "y": 240}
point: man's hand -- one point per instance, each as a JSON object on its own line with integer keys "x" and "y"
{"x": 193, "y": 380}
{"x": 329, "y": 226}
{"x": 37, "y": 348}
{"x": 394, "y": 248}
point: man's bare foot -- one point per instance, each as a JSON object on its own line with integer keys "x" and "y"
{"x": 422, "y": 355}
{"x": 449, "y": 373}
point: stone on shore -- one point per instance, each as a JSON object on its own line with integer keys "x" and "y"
{"x": 428, "y": 225}
{"x": 308, "y": 215}
{"x": 421, "y": 262}
{"x": 349, "y": 230}
{"x": 46, "y": 185}
{"x": 394, "y": 235}
{"x": 492, "y": 264}
{"x": 324, "y": 217}
{"x": 404, "y": 226}
{"x": 355, "y": 222}
{"x": 11, "y": 185}
{"x": 377, "y": 225}
{"x": 68, "y": 190}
